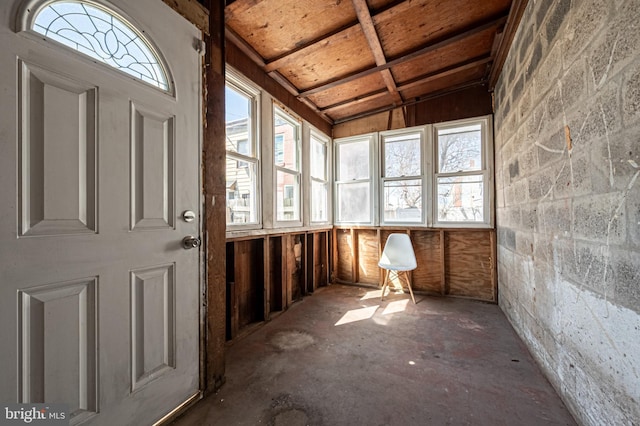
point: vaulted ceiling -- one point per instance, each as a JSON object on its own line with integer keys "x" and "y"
{"x": 352, "y": 58}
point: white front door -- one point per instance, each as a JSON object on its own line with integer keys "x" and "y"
{"x": 99, "y": 301}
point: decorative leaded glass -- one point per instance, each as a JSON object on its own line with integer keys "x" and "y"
{"x": 107, "y": 38}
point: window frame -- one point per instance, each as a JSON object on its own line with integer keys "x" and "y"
{"x": 372, "y": 139}
{"x": 486, "y": 171}
{"x": 429, "y": 176}
{"x": 243, "y": 86}
{"x": 326, "y": 141}
{"x": 425, "y": 171}
{"x": 279, "y": 111}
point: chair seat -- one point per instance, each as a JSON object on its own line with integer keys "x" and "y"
{"x": 396, "y": 267}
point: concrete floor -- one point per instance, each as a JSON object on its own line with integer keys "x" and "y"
{"x": 342, "y": 357}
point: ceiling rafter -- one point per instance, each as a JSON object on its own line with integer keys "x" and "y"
{"x": 432, "y": 95}
{"x": 426, "y": 78}
{"x": 426, "y": 48}
{"x": 369, "y": 30}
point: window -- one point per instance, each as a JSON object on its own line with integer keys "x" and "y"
{"x": 104, "y": 36}
{"x": 319, "y": 178}
{"x": 435, "y": 175}
{"x": 354, "y": 182}
{"x": 462, "y": 173}
{"x": 402, "y": 178}
{"x": 287, "y": 148}
{"x": 242, "y": 173}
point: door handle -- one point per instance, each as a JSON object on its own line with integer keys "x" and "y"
{"x": 190, "y": 242}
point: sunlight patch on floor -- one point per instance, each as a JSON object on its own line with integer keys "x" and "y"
{"x": 395, "y": 307}
{"x": 357, "y": 315}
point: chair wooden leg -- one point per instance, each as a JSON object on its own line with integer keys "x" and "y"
{"x": 409, "y": 284}
{"x": 384, "y": 285}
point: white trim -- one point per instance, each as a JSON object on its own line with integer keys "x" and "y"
{"x": 283, "y": 113}
{"x": 244, "y": 86}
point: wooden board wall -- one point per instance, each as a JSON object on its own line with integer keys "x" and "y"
{"x": 455, "y": 262}
{"x": 343, "y": 255}
{"x": 469, "y": 265}
{"x": 368, "y": 256}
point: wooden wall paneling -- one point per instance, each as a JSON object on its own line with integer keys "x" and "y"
{"x": 428, "y": 275}
{"x": 368, "y": 249}
{"x": 343, "y": 255}
{"x": 320, "y": 257}
{"x": 443, "y": 270}
{"x": 354, "y": 256}
{"x": 288, "y": 260}
{"x": 494, "y": 264}
{"x": 231, "y": 320}
{"x": 266, "y": 262}
{"x": 298, "y": 281}
{"x": 275, "y": 271}
{"x": 466, "y": 103}
{"x": 309, "y": 253}
{"x": 249, "y": 281}
{"x": 468, "y": 258}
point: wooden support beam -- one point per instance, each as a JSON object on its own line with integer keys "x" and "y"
{"x": 443, "y": 266}
{"x": 244, "y": 47}
{"x": 513, "y": 20}
{"x": 432, "y": 95}
{"x": 369, "y": 30}
{"x": 428, "y": 47}
{"x": 214, "y": 199}
{"x": 453, "y": 69}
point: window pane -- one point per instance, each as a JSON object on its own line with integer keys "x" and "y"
{"x": 238, "y": 121}
{"x": 102, "y": 36}
{"x": 318, "y": 202}
{"x": 286, "y": 142}
{"x": 287, "y": 196}
{"x": 354, "y": 202}
{"x": 461, "y": 199}
{"x": 241, "y": 192}
{"x": 318, "y": 159}
{"x": 402, "y": 156}
{"x": 354, "y": 161}
{"x": 403, "y": 201}
{"x": 460, "y": 149}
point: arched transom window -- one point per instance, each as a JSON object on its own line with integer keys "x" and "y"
{"x": 94, "y": 31}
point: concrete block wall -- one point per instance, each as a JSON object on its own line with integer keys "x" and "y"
{"x": 567, "y": 139}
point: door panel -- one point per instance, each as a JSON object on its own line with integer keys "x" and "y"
{"x": 99, "y": 302}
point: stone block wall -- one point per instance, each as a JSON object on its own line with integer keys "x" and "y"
{"x": 567, "y": 143}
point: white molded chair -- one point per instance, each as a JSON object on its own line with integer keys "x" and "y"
{"x": 398, "y": 256}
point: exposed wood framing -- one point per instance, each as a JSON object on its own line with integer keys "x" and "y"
{"x": 428, "y": 47}
{"x": 369, "y": 30}
{"x": 193, "y": 11}
{"x": 515, "y": 15}
{"x": 451, "y": 262}
{"x": 214, "y": 198}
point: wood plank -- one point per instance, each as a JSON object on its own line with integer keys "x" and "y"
{"x": 274, "y": 27}
{"x": 428, "y": 275}
{"x": 347, "y": 92}
{"x": 214, "y": 246}
{"x": 468, "y": 255}
{"x": 249, "y": 282}
{"x": 426, "y": 48}
{"x": 443, "y": 270}
{"x": 241, "y": 62}
{"x": 364, "y": 17}
{"x": 275, "y": 272}
{"x": 471, "y": 102}
{"x": 515, "y": 15}
{"x": 430, "y": 20}
{"x": 354, "y": 256}
{"x": 373, "y": 123}
{"x": 192, "y": 11}
{"x": 368, "y": 256}
{"x": 344, "y": 255}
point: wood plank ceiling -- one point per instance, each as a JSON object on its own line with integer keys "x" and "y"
{"x": 347, "y": 59}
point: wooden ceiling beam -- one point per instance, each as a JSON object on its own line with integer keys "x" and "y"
{"x": 293, "y": 91}
{"x": 432, "y": 95}
{"x": 244, "y": 47}
{"x": 369, "y": 30}
{"x": 426, "y": 48}
{"x": 514, "y": 17}
{"x": 444, "y": 72}
{"x": 344, "y": 33}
